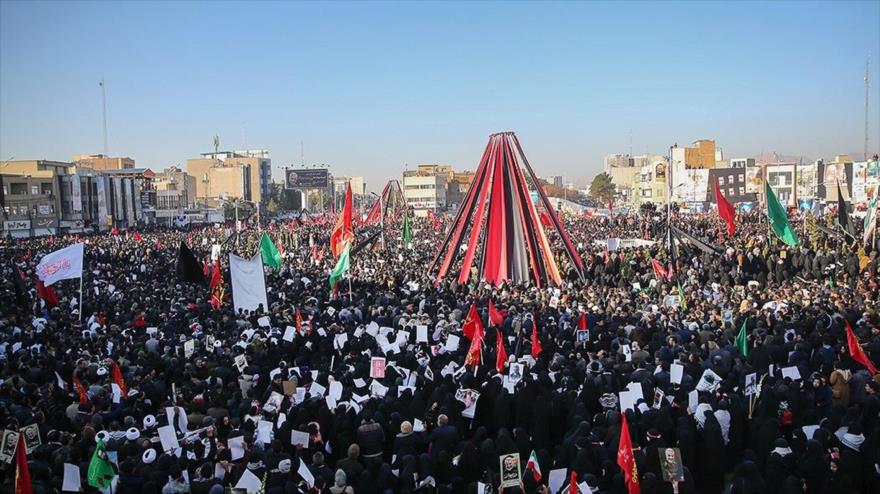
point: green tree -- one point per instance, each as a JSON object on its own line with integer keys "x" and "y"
{"x": 602, "y": 188}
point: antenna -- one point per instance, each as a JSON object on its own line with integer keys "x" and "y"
{"x": 104, "y": 112}
{"x": 216, "y": 143}
{"x": 302, "y": 159}
{"x": 865, "y": 153}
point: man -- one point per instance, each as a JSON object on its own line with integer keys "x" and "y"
{"x": 371, "y": 437}
{"x": 444, "y": 437}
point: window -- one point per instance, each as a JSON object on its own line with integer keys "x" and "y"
{"x": 720, "y": 180}
{"x": 731, "y": 191}
{"x": 35, "y": 190}
{"x": 742, "y": 177}
{"x": 742, "y": 191}
{"x": 46, "y": 189}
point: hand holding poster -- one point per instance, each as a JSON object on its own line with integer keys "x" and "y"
{"x": 510, "y": 472}
{"x": 377, "y": 367}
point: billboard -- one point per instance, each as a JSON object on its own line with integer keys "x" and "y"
{"x": 305, "y": 178}
{"x": 76, "y": 193}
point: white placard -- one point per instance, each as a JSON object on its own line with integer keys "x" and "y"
{"x": 299, "y": 438}
{"x": 72, "y": 480}
{"x": 452, "y": 342}
{"x": 676, "y": 372}
{"x": 422, "y": 334}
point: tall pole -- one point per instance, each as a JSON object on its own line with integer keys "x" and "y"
{"x": 104, "y": 112}
{"x": 865, "y": 155}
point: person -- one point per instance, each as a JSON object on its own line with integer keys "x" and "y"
{"x": 298, "y": 363}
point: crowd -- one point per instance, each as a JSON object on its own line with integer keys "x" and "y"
{"x": 289, "y": 398}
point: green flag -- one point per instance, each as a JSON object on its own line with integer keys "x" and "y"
{"x": 271, "y": 257}
{"x": 741, "y": 341}
{"x": 778, "y": 217}
{"x": 342, "y": 265}
{"x": 101, "y": 471}
{"x": 681, "y": 301}
{"x": 407, "y": 232}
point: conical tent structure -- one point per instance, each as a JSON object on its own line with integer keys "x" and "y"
{"x": 390, "y": 205}
{"x": 500, "y": 226}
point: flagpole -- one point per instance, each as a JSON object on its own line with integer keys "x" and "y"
{"x": 349, "y": 289}
{"x": 81, "y": 310}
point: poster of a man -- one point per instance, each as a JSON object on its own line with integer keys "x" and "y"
{"x": 8, "y": 445}
{"x": 671, "y": 465}
{"x": 510, "y": 473}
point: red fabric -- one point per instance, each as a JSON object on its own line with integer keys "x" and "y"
{"x": 216, "y": 286}
{"x": 206, "y": 268}
{"x": 80, "y": 390}
{"x": 47, "y": 293}
{"x": 464, "y": 273}
{"x": 342, "y": 232}
{"x": 495, "y": 253}
{"x": 139, "y": 322}
{"x": 573, "y": 483}
{"x": 474, "y": 352}
{"x": 22, "y": 474}
{"x": 545, "y": 219}
{"x": 582, "y": 323}
{"x": 137, "y": 236}
{"x": 725, "y": 209}
{"x": 856, "y": 351}
{"x": 500, "y": 351}
{"x": 114, "y": 231}
{"x": 625, "y": 458}
{"x": 116, "y": 375}
{"x": 299, "y": 321}
{"x": 536, "y": 343}
{"x": 659, "y": 270}
{"x": 473, "y": 325}
{"x": 101, "y": 320}
{"x": 533, "y": 465}
{"x": 495, "y": 316}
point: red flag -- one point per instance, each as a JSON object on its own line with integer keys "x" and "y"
{"x": 660, "y": 271}
{"x": 573, "y": 483}
{"x": 474, "y": 352}
{"x": 137, "y": 236}
{"x": 299, "y": 321}
{"x": 545, "y": 219}
{"x": 80, "y": 390}
{"x": 536, "y": 344}
{"x": 501, "y": 353}
{"x": 582, "y": 323}
{"x": 625, "y": 458}
{"x": 473, "y": 325}
{"x": 22, "y": 474}
{"x": 206, "y": 267}
{"x": 495, "y": 316}
{"x": 342, "y": 232}
{"x": 47, "y": 293}
{"x": 114, "y": 231}
{"x": 216, "y": 286}
{"x": 116, "y": 375}
{"x": 856, "y": 351}
{"x": 725, "y": 209}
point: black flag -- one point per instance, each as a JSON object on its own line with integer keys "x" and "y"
{"x": 22, "y": 295}
{"x": 188, "y": 267}
{"x": 843, "y": 214}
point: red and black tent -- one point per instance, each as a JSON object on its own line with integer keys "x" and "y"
{"x": 514, "y": 246}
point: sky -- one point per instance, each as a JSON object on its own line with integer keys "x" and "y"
{"x": 372, "y": 88}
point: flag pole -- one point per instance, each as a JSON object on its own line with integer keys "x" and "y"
{"x": 81, "y": 310}
{"x": 349, "y": 289}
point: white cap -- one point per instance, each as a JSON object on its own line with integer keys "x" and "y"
{"x": 132, "y": 434}
{"x": 103, "y": 436}
{"x": 149, "y": 421}
{"x": 149, "y": 456}
{"x": 102, "y": 371}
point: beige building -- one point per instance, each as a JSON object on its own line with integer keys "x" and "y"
{"x": 243, "y": 173}
{"x": 31, "y": 197}
{"x": 424, "y": 190}
{"x": 102, "y": 162}
{"x": 175, "y": 189}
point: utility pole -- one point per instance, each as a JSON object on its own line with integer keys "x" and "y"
{"x": 865, "y": 154}
{"x": 104, "y": 111}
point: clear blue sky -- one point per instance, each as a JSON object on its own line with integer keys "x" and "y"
{"x": 370, "y": 87}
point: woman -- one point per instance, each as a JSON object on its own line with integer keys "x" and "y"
{"x": 340, "y": 484}
{"x": 840, "y": 385}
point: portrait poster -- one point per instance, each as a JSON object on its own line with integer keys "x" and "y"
{"x": 510, "y": 473}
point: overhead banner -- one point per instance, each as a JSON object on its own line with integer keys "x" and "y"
{"x": 248, "y": 282}
{"x": 305, "y": 178}
{"x": 76, "y": 193}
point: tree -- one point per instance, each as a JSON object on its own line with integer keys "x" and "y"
{"x": 602, "y": 188}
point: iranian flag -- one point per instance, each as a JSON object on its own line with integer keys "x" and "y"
{"x": 534, "y": 467}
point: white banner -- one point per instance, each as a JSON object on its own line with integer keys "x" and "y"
{"x": 62, "y": 264}
{"x": 248, "y": 282}
{"x": 76, "y": 193}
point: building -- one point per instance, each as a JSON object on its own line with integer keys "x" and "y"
{"x": 358, "y": 186}
{"x": 31, "y": 197}
{"x": 623, "y": 172}
{"x": 424, "y": 189}
{"x": 688, "y": 167}
{"x": 742, "y": 162}
{"x": 43, "y": 197}
{"x": 651, "y": 186}
{"x": 431, "y": 169}
{"x": 731, "y": 182}
{"x": 781, "y": 179}
{"x": 175, "y": 191}
{"x": 244, "y": 173}
{"x": 458, "y": 187}
{"x": 102, "y": 162}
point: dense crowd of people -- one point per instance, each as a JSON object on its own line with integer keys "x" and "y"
{"x": 289, "y": 396}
